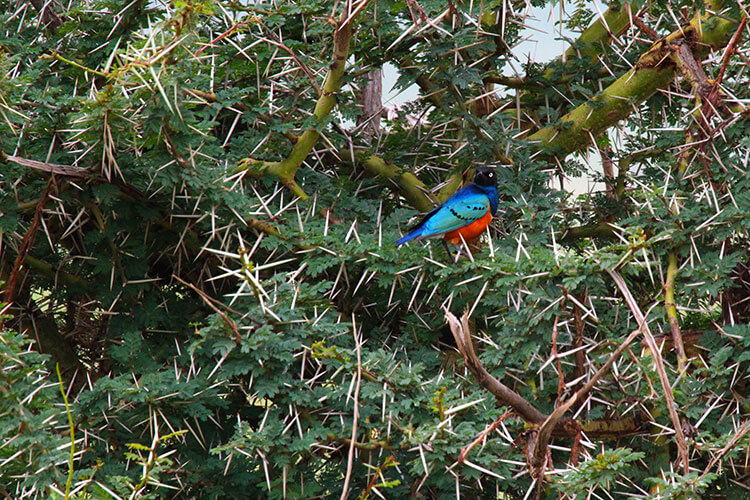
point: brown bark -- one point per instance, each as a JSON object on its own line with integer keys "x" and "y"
{"x": 371, "y": 99}
{"x": 49, "y": 17}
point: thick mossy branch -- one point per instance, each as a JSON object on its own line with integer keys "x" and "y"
{"x": 410, "y": 186}
{"x": 286, "y": 169}
{"x": 589, "y": 45}
{"x": 654, "y": 70}
{"x": 601, "y": 230}
{"x": 614, "y": 22}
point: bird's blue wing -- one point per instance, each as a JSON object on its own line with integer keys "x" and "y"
{"x": 463, "y": 208}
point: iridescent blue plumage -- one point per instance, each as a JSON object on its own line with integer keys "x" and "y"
{"x": 465, "y": 207}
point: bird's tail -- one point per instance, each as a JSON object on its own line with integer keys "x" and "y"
{"x": 409, "y": 236}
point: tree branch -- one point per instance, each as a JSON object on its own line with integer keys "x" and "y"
{"x": 462, "y": 334}
{"x": 539, "y": 449}
{"x": 682, "y": 446}
{"x": 286, "y": 169}
{"x": 600, "y": 230}
{"x": 27, "y": 242}
{"x": 731, "y": 444}
{"x": 653, "y": 71}
{"x": 613, "y": 22}
{"x": 671, "y": 308}
{"x": 53, "y": 168}
{"x": 410, "y": 186}
{"x": 49, "y": 17}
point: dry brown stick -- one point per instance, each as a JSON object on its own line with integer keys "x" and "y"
{"x": 539, "y": 449}
{"x": 732, "y": 442}
{"x": 482, "y": 435}
{"x": 646, "y": 29}
{"x": 278, "y": 43}
{"x": 728, "y": 52}
{"x": 47, "y": 13}
{"x": 27, "y": 242}
{"x": 462, "y": 335}
{"x": 682, "y": 446}
{"x": 53, "y": 168}
{"x": 225, "y": 34}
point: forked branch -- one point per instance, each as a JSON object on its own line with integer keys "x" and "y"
{"x": 286, "y": 169}
{"x": 462, "y": 335}
{"x": 539, "y": 451}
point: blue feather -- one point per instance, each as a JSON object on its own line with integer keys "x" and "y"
{"x": 464, "y": 207}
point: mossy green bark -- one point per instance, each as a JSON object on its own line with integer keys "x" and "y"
{"x": 654, "y": 70}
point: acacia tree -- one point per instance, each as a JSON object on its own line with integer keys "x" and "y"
{"x": 200, "y": 240}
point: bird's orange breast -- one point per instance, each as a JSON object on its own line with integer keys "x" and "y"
{"x": 470, "y": 232}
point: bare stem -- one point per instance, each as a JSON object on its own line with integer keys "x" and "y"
{"x": 682, "y": 446}
{"x": 69, "y": 482}
{"x": 462, "y": 334}
{"x": 671, "y": 308}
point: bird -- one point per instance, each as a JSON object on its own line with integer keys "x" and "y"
{"x": 464, "y": 216}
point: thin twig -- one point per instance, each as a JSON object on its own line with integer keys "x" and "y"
{"x": 728, "y": 52}
{"x": 646, "y": 29}
{"x": 671, "y": 308}
{"x": 69, "y": 482}
{"x": 209, "y": 302}
{"x": 270, "y": 38}
{"x": 682, "y": 446}
{"x": 482, "y": 435}
{"x": 539, "y": 452}
{"x": 728, "y": 447}
{"x": 26, "y": 243}
{"x": 350, "y": 460}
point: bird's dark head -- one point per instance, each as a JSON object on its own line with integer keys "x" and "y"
{"x": 485, "y": 177}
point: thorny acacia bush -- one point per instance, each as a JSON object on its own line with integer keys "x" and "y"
{"x": 193, "y": 227}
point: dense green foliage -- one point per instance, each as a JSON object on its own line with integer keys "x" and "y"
{"x": 211, "y": 264}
